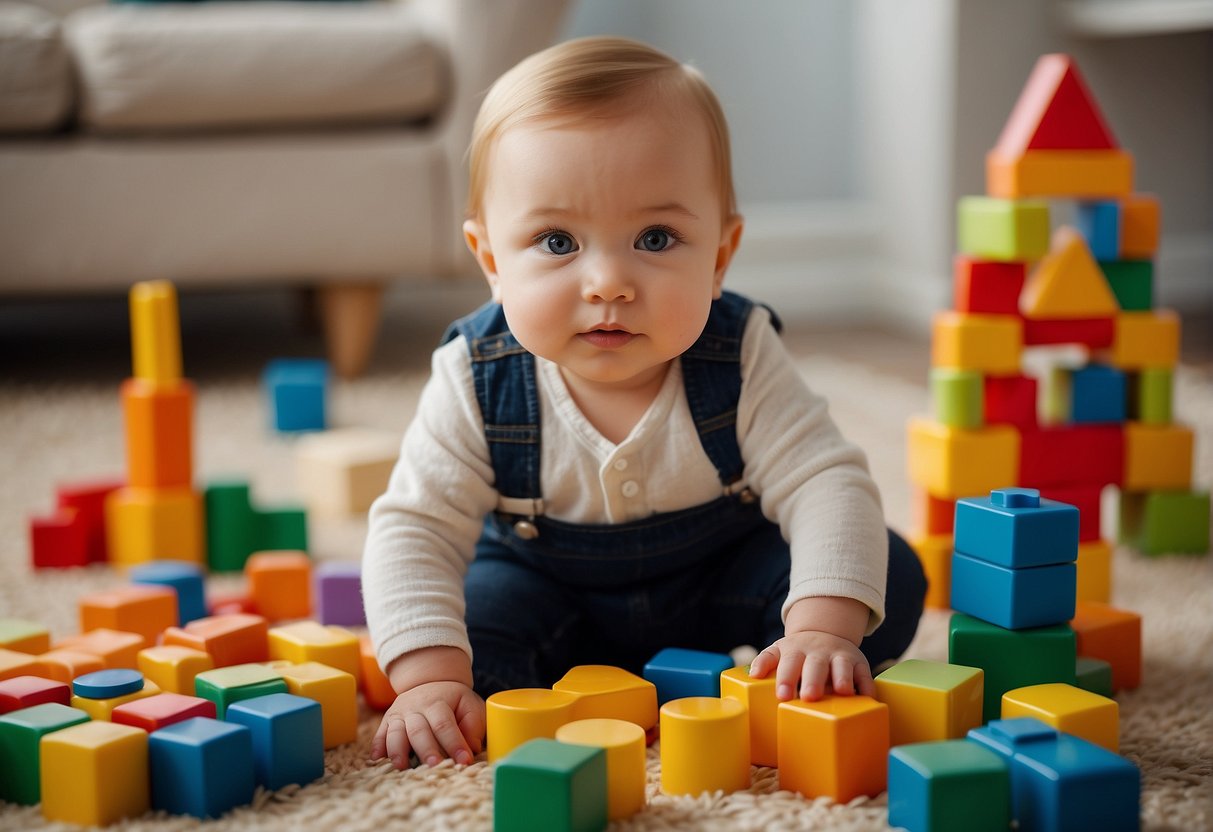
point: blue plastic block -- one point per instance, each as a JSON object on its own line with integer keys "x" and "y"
{"x": 1098, "y": 394}
{"x": 21, "y": 733}
{"x": 680, "y": 673}
{"x": 1061, "y": 782}
{"x": 337, "y": 594}
{"x": 1099, "y": 224}
{"x": 1014, "y": 598}
{"x": 296, "y": 389}
{"x": 1016, "y": 527}
{"x": 201, "y": 767}
{"x": 288, "y": 738}
{"x": 186, "y": 578}
{"x": 106, "y": 684}
{"x": 948, "y": 786}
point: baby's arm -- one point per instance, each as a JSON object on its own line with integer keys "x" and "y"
{"x": 819, "y": 650}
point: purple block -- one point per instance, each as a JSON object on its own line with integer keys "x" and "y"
{"x": 338, "y": 595}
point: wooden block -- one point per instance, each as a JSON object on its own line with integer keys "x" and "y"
{"x": 24, "y": 636}
{"x": 139, "y": 608}
{"x": 1067, "y": 283}
{"x": 236, "y": 683}
{"x": 377, "y": 690}
{"x": 1114, "y": 635}
{"x": 229, "y": 639}
{"x": 88, "y": 499}
{"x": 990, "y": 344}
{"x": 1094, "y": 580}
{"x": 103, "y": 709}
{"x": 155, "y": 332}
{"x": 957, "y": 397}
{"x": 173, "y": 667}
{"x": 1070, "y": 709}
{"x": 1157, "y": 457}
{"x": 159, "y": 426}
{"x": 1010, "y": 400}
{"x": 547, "y": 784}
{"x": 1140, "y": 221}
{"x": 1145, "y": 340}
{"x": 987, "y": 287}
{"x": 94, "y": 774}
{"x": 58, "y": 541}
{"x": 624, "y": 745}
{"x": 143, "y": 524}
{"x": 115, "y": 648}
{"x": 1002, "y": 230}
{"x": 288, "y": 738}
{"x": 953, "y": 463}
{"x": 758, "y": 695}
{"x": 1077, "y": 174}
{"x": 516, "y": 716}
{"x": 930, "y": 700}
{"x": 337, "y": 693}
{"x": 605, "y": 692}
{"x": 280, "y": 584}
{"x": 931, "y": 515}
{"x": 948, "y": 786}
{"x": 341, "y": 472}
{"x": 1055, "y": 111}
{"x": 835, "y": 747}
{"x": 64, "y": 665}
{"x": 152, "y": 713}
{"x": 21, "y": 733}
{"x": 1165, "y": 522}
{"x": 26, "y": 691}
{"x": 705, "y": 746}
{"x": 935, "y": 554}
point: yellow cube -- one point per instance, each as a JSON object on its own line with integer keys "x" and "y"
{"x": 307, "y": 641}
{"x": 337, "y": 693}
{"x": 94, "y": 773}
{"x": 1145, "y": 340}
{"x": 143, "y": 524}
{"x": 173, "y": 667}
{"x": 1094, "y": 571}
{"x": 624, "y": 744}
{"x": 705, "y": 746}
{"x": 515, "y": 716}
{"x": 605, "y": 692}
{"x": 103, "y": 709}
{"x": 952, "y": 463}
{"x": 990, "y": 344}
{"x": 758, "y": 695}
{"x": 930, "y": 701}
{"x": 837, "y": 747}
{"x": 935, "y": 554}
{"x": 1073, "y": 710}
{"x": 1157, "y": 457}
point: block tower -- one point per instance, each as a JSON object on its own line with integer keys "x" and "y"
{"x": 1101, "y": 418}
{"x": 158, "y": 514}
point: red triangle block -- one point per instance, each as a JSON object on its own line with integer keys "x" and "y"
{"x": 1055, "y": 111}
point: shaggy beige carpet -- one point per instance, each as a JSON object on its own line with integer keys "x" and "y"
{"x": 54, "y": 430}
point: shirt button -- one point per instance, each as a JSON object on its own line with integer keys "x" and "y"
{"x": 620, "y": 464}
{"x": 630, "y": 488}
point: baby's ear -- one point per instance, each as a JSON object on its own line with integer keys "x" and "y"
{"x": 477, "y": 239}
{"x": 730, "y": 239}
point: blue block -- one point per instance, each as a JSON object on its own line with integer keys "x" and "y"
{"x": 1099, "y": 223}
{"x": 186, "y": 578}
{"x": 288, "y": 738}
{"x": 107, "y": 684}
{"x": 1061, "y": 782}
{"x": 1098, "y": 393}
{"x": 296, "y": 389}
{"x": 201, "y": 767}
{"x": 1016, "y": 527}
{"x": 680, "y": 673}
{"x": 1014, "y": 599}
{"x": 948, "y": 786}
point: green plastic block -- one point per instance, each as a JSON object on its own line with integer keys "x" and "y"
{"x": 20, "y": 733}
{"x": 1152, "y": 393}
{"x": 238, "y": 682}
{"x": 1012, "y": 658}
{"x": 1094, "y": 675}
{"x": 1165, "y": 522}
{"x": 948, "y": 786}
{"x": 1132, "y": 281}
{"x": 545, "y": 784}
{"x": 282, "y": 528}
{"x": 958, "y": 397}
{"x": 1003, "y": 229}
{"x": 231, "y": 526}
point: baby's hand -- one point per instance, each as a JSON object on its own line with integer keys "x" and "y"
{"x": 812, "y": 660}
{"x": 435, "y": 720}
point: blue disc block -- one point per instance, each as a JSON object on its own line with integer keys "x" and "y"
{"x": 1098, "y": 394}
{"x": 288, "y": 737}
{"x": 296, "y": 389}
{"x": 1014, "y": 599}
{"x": 106, "y": 684}
{"x": 185, "y": 578}
{"x": 1016, "y": 527}
{"x": 680, "y": 673}
{"x": 201, "y": 767}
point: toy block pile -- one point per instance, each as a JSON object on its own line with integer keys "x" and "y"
{"x": 1104, "y": 419}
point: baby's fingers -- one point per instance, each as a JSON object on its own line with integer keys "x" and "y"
{"x": 813, "y": 677}
{"x": 395, "y": 742}
{"x": 842, "y": 675}
{"x": 863, "y": 679}
{"x": 448, "y": 733}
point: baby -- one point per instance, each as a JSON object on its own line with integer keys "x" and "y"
{"x": 614, "y": 455}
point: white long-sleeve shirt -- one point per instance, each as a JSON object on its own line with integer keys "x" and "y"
{"x": 810, "y": 480}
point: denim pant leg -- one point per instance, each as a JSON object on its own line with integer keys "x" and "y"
{"x": 905, "y": 593}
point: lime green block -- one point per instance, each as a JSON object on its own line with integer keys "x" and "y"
{"x": 1166, "y": 522}
{"x": 958, "y": 397}
{"x": 238, "y": 682}
{"x": 1094, "y": 675}
{"x": 231, "y": 526}
{"x": 1003, "y": 229}
{"x": 20, "y": 733}
{"x": 1012, "y": 658}
{"x": 282, "y": 528}
{"x": 545, "y": 784}
{"x": 1132, "y": 281}
{"x": 949, "y": 786}
{"x": 1153, "y": 392}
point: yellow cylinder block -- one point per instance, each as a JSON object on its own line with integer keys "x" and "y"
{"x": 705, "y": 746}
{"x": 155, "y": 331}
{"x": 515, "y": 716}
{"x": 624, "y": 745}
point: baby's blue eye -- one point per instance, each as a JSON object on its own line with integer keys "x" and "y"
{"x": 655, "y": 239}
{"x": 557, "y": 243}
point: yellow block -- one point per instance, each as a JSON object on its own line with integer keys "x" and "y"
{"x": 173, "y": 667}
{"x": 1157, "y": 457}
{"x": 935, "y": 554}
{"x": 605, "y": 692}
{"x": 155, "y": 331}
{"x": 94, "y": 773}
{"x": 837, "y": 747}
{"x": 1094, "y": 571}
{"x": 1068, "y": 283}
{"x": 515, "y": 716}
{"x": 953, "y": 463}
{"x": 24, "y": 636}
{"x": 337, "y": 693}
{"x": 1084, "y": 174}
{"x": 930, "y": 701}
{"x": 1145, "y": 340}
{"x": 307, "y": 641}
{"x": 705, "y": 746}
{"x": 624, "y": 745}
{"x": 758, "y": 695}
{"x": 103, "y": 709}
{"x": 991, "y": 344}
{"x": 1073, "y": 710}
{"x": 143, "y": 524}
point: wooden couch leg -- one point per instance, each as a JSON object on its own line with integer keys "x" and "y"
{"x": 349, "y": 313}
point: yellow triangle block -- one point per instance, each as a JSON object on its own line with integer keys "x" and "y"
{"x": 1068, "y": 283}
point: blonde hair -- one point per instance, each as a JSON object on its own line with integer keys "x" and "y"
{"x": 588, "y": 76}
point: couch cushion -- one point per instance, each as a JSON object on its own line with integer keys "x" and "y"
{"x": 222, "y": 65}
{"x": 35, "y": 75}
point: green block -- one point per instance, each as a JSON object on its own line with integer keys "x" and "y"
{"x": 1094, "y": 675}
{"x": 1165, "y": 522}
{"x": 958, "y": 397}
{"x": 1151, "y": 394}
{"x": 20, "y": 734}
{"x": 282, "y": 528}
{"x": 1012, "y": 658}
{"x": 949, "y": 786}
{"x": 238, "y": 682}
{"x": 548, "y": 785}
{"x": 1003, "y": 229}
{"x": 1132, "y": 281}
{"x": 231, "y": 526}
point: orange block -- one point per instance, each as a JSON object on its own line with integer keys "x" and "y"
{"x": 990, "y": 344}
{"x": 1104, "y": 632}
{"x": 114, "y": 647}
{"x": 280, "y": 584}
{"x": 1068, "y": 283}
{"x": 239, "y": 638}
{"x": 935, "y": 554}
{"x": 1140, "y": 218}
{"x": 376, "y": 688}
{"x": 1146, "y": 339}
{"x": 1081, "y": 174}
{"x": 65, "y": 665}
{"x": 837, "y": 747}
{"x": 14, "y": 663}
{"x": 1158, "y": 457}
{"x": 931, "y": 514}
{"x": 159, "y": 426}
{"x": 139, "y": 608}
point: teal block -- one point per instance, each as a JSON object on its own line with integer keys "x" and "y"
{"x": 1094, "y": 675}
{"x": 549, "y": 785}
{"x": 296, "y": 390}
{"x": 1165, "y": 522}
{"x": 21, "y": 732}
{"x": 1099, "y": 224}
{"x": 1151, "y": 395}
{"x": 1131, "y": 281}
{"x": 948, "y": 786}
{"x": 1016, "y": 528}
{"x": 1003, "y": 229}
{"x": 958, "y": 397}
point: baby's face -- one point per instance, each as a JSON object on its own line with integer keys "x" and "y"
{"x": 604, "y": 240}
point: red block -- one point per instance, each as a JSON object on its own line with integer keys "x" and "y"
{"x": 933, "y": 515}
{"x": 1072, "y": 455}
{"x": 27, "y": 691}
{"x": 1055, "y": 111}
{"x": 228, "y": 603}
{"x": 58, "y": 541}
{"x": 1095, "y": 333}
{"x": 1086, "y": 498}
{"x": 155, "y": 712}
{"x": 1010, "y": 400}
{"x": 983, "y": 286}
{"x": 88, "y": 499}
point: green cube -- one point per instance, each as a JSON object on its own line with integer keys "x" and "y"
{"x": 1094, "y": 675}
{"x": 1012, "y": 658}
{"x": 958, "y": 397}
{"x": 1132, "y": 281}
{"x": 1151, "y": 394}
{"x": 1003, "y": 229}
{"x": 282, "y": 528}
{"x": 1165, "y": 522}
{"x": 549, "y": 785}
{"x": 20, "y": 734}
{"x": 238, "y": 682}
{"x": 231, "y": 526}
{"x": 948, "y": 786}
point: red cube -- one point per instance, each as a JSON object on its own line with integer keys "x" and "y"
{"x": 1086, "y": 498}
{"x": 58, "y": 541}
{"x": 88, "y": 498}
{"x": 987, "y": 287}
{"x": 155, "y": 712}
{"x": 1010, "y": 400}
{"x": 27, "y": 691}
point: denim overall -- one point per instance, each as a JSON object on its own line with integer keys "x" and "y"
{"x": 544, "y": 595}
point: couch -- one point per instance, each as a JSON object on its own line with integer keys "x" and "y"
{"x": 318, "y": 145}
